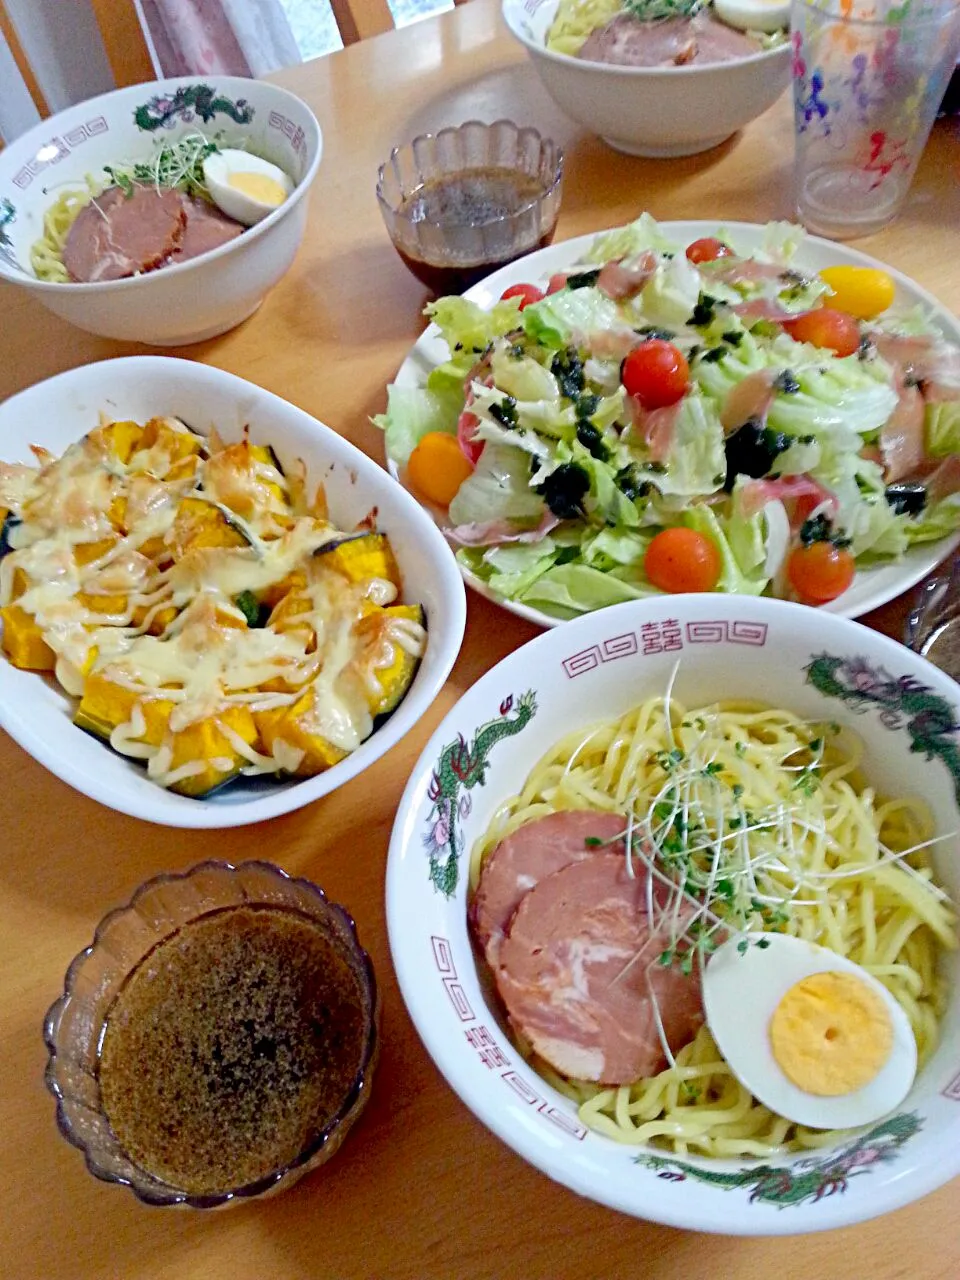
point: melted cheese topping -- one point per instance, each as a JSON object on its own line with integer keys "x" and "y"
{"x": 133, "y": 572}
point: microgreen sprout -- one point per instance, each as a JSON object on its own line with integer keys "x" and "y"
{"x": 718, "y": 870}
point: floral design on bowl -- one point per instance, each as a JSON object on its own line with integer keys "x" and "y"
{"x": 186, "y": 102}
{"x": 809, "y": 1179}
{"x": 932, "y": 723}
{"x": 460, "y": 768}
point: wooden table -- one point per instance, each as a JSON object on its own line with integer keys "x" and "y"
{"x": 421, "y": 1189}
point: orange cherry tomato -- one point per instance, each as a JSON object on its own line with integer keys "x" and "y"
{"x": 656, "y": 372}
{"x": 527, "y": 293}
{"x": 820, "y": 571}
{"x": 708, "y": 250}
{"x": 682, "y": 560}
{"x": 838, "y": 331}
{"x": 437, "y": 468}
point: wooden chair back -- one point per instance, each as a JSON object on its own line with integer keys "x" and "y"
{"x": 128, "y": 50}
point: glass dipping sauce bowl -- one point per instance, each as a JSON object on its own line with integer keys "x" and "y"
{"x": 138, "y": 944}
{"x": 460, "y": 203}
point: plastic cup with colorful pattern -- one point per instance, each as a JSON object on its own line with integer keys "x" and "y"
{"x": 868, "y": 77}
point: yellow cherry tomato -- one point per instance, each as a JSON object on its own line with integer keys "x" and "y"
{"x": 862, "y": 291}
{"x": 437, "y": 468}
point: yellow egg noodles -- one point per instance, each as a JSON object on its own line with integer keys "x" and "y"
{"x": 46, "y": 253}
{"x": 574, "y": 21}
{"x": 758, "y": 820}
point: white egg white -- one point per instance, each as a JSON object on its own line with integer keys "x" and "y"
{"x": 740, "y": 995}
{"x": 217, "y": 169}
{"x": 754, "y": 15}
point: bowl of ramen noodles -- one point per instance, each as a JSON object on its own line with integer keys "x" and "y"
{"x": 657, "y": 78}
{"x": 213, "y": 608}
{"x": 160, "y": 213}
{"x": 671, "y": 897}
{"x": 218, "y": 1038}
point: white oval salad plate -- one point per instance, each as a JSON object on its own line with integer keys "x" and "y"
{"x": 37, "y": 713}
{"x": 827, "y": 670}
{"x": 875, "y": 582}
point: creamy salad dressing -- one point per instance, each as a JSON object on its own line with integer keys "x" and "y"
{"x": 96, "y": 616}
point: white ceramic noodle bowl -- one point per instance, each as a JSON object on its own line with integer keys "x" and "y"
{"x": 193, "y": 300}
{"x": 38, "y": 714}
{"x": 651, "y": 111}
{"x": 596, "y": 668}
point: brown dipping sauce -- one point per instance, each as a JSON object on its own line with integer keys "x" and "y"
{"x": 470, "y": 199}
{"x": 232, "y": 1046}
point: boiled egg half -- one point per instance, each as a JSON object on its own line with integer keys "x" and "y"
{"x": 754, "y": 15}
{"x": 244, "y": 186}
{"x": 812, "y": 1035}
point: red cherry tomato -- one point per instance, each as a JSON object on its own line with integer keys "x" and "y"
{"x": 708, "y": 250}
{"x": 557, "y": 282}
{"x": 820, "y": 572}
{"x": 656, "y": 372}
{"x": 527, "y": 293}
{"x": 682, "y": 560}
{"x": 838, "y": 331}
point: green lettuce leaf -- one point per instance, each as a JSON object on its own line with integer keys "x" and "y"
{"x": 471, "y": 326}
{"x": 625, "y": 242}
{"x": 570, "y": 589}
{"x": 941, "y": 426}
{"x": 733, "y": 577}
{"x": 413, "y": 412}
{"x": 554, "y": 321}
{"x": 499, "y": 489}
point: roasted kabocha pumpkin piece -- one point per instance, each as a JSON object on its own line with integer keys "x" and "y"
{"x": 246, "y": 478}
{"x": 106, "y": 704}
{"x": 361, "y": 556}
{"x": 114, "y": 606}
{"x": 291, "y": 731}
{"x": 387, "y": 667}
{"x": 208, "y": 743}
{"x": 201, "y": 524}
{"x": 119, "y": 440}
{"x": 23, "y": 640}
{"x": 164, "y": 443}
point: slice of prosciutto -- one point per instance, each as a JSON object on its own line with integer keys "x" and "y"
{"x": 626, "y": 277}
{"x": 902, "y": 446}
{"x": 490, "y": 533}
{"x": 523, "y": 858}
{"x": 578, "y": 973}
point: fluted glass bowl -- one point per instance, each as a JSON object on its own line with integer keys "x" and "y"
{"x": 462, "y": 202}
{"x": 159, "y": 910}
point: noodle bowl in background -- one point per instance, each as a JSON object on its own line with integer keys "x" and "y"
{"x": 575, "y": 720}
{"x": 187, "y": 301}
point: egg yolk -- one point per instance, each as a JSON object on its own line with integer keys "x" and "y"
{"x": 831, "y": 1034}
{"x": 258, "y": 187}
